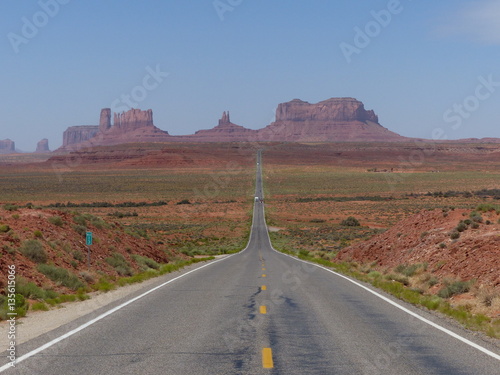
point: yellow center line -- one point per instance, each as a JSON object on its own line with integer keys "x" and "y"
{"x": 263, "y": 287}
{"x": 263, "y": 310}
{"x": 263, "y": 269}
{"x": 263, "y": 275}
{"x": 267, "y": 358}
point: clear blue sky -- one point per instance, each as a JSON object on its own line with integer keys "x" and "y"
{"x": 413, "y": 69}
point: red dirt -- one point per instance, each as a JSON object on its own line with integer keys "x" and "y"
{"x": 475, "y": 255}
{"x": 107, "y": 242}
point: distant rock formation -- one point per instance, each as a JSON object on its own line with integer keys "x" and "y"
{"x": 78, "y": 134}
{"x": 105, "y": 120}
{"x": 133, "y": 119}
{"x": 331, "y": 110}
{"x": 226, "y": 131}
{"x": 7, "y": 146}
{"x": 133, "y": 126}
{"x": 225, "y": 119}
{"x": 332, "y": 120}
{"x": 42, "y": 146}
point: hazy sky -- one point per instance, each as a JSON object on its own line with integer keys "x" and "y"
{"x": 427, "y": 68}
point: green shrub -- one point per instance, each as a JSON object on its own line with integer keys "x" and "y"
{"x": 78, "y": 255}
{"x": 39, "y": 306}
{"x": 433, "y": 281}
{"x": 350, "y": 222}
{"x": 80, "y": 220}
{"x": 461, "y": 227}
{"x": 184, "y": 201}
{"x": 38, "y": 234}
{"x": 30, "y": 290}
{"x": 80, "y": 229}
{"x": 33, "y": 249}
{"x": 454, "y": 235}
{"x": 10, "y": 207}
{"x": 60, "y": 275}
{"x": 98, "y": 222}
{"x": 451, "y": 289}
{"x": 4, "y": 228}
{"x": 56, "y": 220}
{"x": 399, "y": 278}
{"x": 145, "y": 262}
{"x": 303, "y": 254}
{"x": 120, "y": 264}
{"x": 475, "y": 216}
{"x": 407, "y": 270}
{"x": 431, "y": 302}
{"x": 486, "y": 207}
{"x": 20, "y": 307}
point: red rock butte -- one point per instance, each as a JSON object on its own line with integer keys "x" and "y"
{"x": 42, "y": 146}
{"x": 7, "y": 146}
{"x": 332, "y": 120}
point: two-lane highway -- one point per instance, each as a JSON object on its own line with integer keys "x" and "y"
{"x": 258, "y": 312}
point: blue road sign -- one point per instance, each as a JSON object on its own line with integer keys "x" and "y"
{"x": 88, "y": 238}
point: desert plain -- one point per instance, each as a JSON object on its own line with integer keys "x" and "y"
{"x": 420, "y": 220}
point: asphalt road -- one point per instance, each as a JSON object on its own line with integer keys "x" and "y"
{"x": 257, "y": 312}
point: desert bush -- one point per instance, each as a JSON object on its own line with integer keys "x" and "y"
{"x": 60, "y": 275}
{"x": 78, "y": 255}
{"x": 476, "y": 216}
{"x": 487, "y": 207}
{"x": 21, "y": 306}
{"x": 303, "y": 253}
{"x": 80, "y": 220}
{"x": 10, "y": 207}
{"x": 33, "y": 249}
{"x": 4, "y": 228}
{"x": 145, "y": 262}
{"x": 454, "y": 235}
{"x": 121, "y": 215}
{"x": 350, "y": 222}
{"x": 120, "y": 264}
{"x": 453, "y": 288}
{"x": 486, "y": 295}
{"x": 433, "y": 281}
{"x": 87, "y": 276}
{"x": 407, "y": 270}
{"x": 39, "y": 306}
{"x": 37, "y": 234}
{"x": 30, "y": 290}
{"x": 461, "y": 227}
{"x": 184, "y": 201}
{"x": 80, "y": 229}
{"x": 399, "y": 278}
{"x": 56, "y": 220}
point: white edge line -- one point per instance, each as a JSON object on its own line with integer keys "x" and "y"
{"x": 437, "y": 326}
{"x": 115, "y": 309}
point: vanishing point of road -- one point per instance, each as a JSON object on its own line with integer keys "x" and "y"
{"x": 257, "y": 312}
